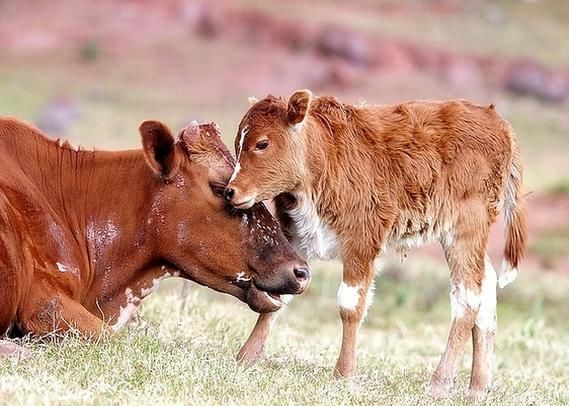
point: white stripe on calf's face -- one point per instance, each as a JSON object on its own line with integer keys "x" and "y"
{"x": 242, "y": 136}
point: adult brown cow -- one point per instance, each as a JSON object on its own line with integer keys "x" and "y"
{"x": 350, "y": 181}
{"x": 86, "y": 235}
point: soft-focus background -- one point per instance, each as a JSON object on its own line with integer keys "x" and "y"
{"x": 92, "y": 71}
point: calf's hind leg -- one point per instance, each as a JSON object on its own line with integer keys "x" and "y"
{"x": 483, "y": 334}
{"x": 465, "y": 256}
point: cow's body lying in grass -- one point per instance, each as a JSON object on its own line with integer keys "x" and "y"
{"x": 350, "y": 181}
{"x": 86, "y": 235}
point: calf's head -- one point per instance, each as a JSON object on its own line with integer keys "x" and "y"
{"x": 240, "y": 252}
{"x": 270, "y": 148}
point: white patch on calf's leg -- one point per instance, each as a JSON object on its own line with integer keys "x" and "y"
{"x": 348, "y": 297}
{"x": 369, "y": 298}
{"x": 486, "y": 319}
{"x": 462, "y": 298}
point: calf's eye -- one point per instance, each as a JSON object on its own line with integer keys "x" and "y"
{"x": 262, "y": 145}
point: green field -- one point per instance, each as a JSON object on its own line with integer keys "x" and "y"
{"x": 187, "y": 355}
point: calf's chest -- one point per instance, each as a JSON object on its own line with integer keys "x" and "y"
{"x": 312, "y": 237}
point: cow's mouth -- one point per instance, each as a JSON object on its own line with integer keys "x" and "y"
{"x": 259, "y": 300}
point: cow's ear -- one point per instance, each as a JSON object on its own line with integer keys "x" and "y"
{"x": 159, "y": 148}
{"x": 190, "y": 136}
{"x": 298, "y": 106}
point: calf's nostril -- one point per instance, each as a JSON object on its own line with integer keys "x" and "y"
{"x": 302, "y": 273}
{"x": 228, "y": 193}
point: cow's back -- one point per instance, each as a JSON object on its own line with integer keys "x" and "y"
{"x": 25, "y": 217}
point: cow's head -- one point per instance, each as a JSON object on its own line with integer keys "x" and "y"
{"x": 240, "y": 252}
{"x": 270, "y": 150}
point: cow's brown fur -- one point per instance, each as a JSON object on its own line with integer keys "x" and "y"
{"x": 84, "y": 235}
{"x": 351, "y": 180}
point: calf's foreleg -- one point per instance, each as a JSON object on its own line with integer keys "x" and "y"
{"x": 255, "y": 344}
{"x": 354, "y": 298}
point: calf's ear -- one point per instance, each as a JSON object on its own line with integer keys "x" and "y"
{"x": 298, "y": 106}
{"x": 159, "y": 148}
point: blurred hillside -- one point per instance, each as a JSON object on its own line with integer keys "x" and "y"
{"x": 92, "y": 71}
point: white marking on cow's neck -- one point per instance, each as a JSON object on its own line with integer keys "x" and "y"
{"x": 348, "y": 297}
{"x": 61, "y": 267}
{"x": 128, "y": 311}
{"x": 242, "y": 136}
{"x": 156, "y": 283}
{"x": 312, "y": 236}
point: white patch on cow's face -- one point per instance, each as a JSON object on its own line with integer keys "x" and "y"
{"x": 461, "y": 299}
{"x": 486, "y": 318}
{"x": 242, "y": 277}
{"x": 312, "y": 237}
{"x": 348, "y": 297}
{"x": 128, "y": 311}
{"x": 242, "y": 136}
{"x": 61, "y": 267}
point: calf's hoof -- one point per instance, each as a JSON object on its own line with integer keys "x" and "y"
{"x": 249, "y": 355}
{"x": 439, "y": 389}
{"x": 475, "y": 394}
{"x": 342, "y": 372}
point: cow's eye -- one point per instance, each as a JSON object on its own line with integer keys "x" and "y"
{"x": 217, "y": 189}
{"x": 262, "y": 145}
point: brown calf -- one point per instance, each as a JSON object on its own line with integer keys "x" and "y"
{"x": 86, "y": 235}
{"x": 350, "y": 181}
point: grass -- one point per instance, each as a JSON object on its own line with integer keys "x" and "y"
{"x": 187, "y": 356}
{"x": 551, "y": 245}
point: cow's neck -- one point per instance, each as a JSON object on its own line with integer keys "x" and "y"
{"x": 102, "y": 199}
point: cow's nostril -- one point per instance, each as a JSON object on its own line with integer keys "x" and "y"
{"x": 302, "y": 273}
{"x": 228, "y": 193}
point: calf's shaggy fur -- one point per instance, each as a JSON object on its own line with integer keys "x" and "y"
{"x": 350, "y": 181}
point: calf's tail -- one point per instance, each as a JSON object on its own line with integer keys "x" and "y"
{"x": 515, "y": 214}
